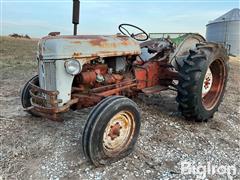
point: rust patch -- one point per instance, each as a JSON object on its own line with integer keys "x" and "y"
{"x": 94, "y": 55}
{"x": 97, "y": 42}
{"x": 77, "y": 54}
{"x": 76, "y": 42}
{"x": 47, "y": 107}
{"x": 115, "y": 131}
{"x": 122, "y": 37}
{"x": 54, "y": 34}
{"x": 126, "y": 43}
{"x": 73, "y": 37}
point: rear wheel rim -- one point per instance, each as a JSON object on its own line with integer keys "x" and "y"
{"x": 207, "y": 83}
{"x": 213, "y": 84}
{"x": 119, "y": 132}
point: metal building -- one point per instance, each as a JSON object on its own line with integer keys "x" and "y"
{"x": 226, "y": 29}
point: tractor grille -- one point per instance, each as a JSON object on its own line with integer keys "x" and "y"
{"x": 47, "y": 75}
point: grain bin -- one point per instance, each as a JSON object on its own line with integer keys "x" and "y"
{"x": 226, "y": 29}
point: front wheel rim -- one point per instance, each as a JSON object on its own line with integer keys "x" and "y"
{"x": 119, "y": 132}
{"x": 213, "y": 84}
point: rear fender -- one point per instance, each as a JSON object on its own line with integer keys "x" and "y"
{"x": 182, "y": 50}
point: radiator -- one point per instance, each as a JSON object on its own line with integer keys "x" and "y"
{"x": 47, "y": 74}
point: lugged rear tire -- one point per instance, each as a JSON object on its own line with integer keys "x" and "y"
{"x": 199, "y": 96}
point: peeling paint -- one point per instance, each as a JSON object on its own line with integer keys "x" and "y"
{"x": 85, "y": 46}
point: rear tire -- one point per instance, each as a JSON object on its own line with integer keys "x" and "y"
{"x": 202, "y": 82}
{"x": 111, "y": 131}
{"x": 25, "y": 95}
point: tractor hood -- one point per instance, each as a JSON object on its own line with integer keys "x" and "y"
{"x": 85, "y": 46}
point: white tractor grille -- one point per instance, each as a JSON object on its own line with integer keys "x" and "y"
{"x": 47, "y": 75}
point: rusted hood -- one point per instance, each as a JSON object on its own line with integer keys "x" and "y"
{"x": 82, "y": 46}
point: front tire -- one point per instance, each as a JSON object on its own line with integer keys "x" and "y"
{"x": 25, "y": 94}
{"x": 202, "y": 83}
{"x": 111, "y": 131}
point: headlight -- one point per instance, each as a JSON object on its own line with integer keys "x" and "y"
{"x": 73, "y": 67}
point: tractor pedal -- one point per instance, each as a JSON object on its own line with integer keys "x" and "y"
{"x": 154, "y": 89}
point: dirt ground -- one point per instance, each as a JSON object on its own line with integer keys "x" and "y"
{"x": 37, "y": 148}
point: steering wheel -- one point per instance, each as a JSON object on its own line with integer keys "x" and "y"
{"x": 141, "y": 36}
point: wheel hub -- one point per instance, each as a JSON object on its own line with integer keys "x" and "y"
{"x": 118, "y": 132}
{"x": 115, "y": 131}
{"x": 207, "y": 83}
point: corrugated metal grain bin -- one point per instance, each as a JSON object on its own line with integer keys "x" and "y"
{"x": 226, "y": 29}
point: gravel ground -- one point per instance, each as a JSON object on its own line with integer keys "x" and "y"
{"x": 36, "y": 148}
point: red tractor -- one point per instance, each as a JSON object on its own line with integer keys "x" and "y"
{"x": 80, "y": 71}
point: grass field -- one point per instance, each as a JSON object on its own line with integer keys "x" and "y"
{"x": 37, "y": 148}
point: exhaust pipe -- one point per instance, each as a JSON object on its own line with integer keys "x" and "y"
{"x": 75, "y": 17}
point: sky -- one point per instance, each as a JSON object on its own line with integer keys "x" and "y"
{"x": 39, "y": 17}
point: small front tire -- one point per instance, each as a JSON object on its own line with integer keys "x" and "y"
{"x": 25, "y": 95}
{"x": 111, "y": 131}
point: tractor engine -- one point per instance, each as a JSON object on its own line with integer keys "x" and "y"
{"x": 104, "y": 77}
{"x": 118, "y": 76}
{"x": 103, "y": 72}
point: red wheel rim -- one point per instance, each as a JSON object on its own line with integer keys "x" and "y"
{"x": 213, "y": 84}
